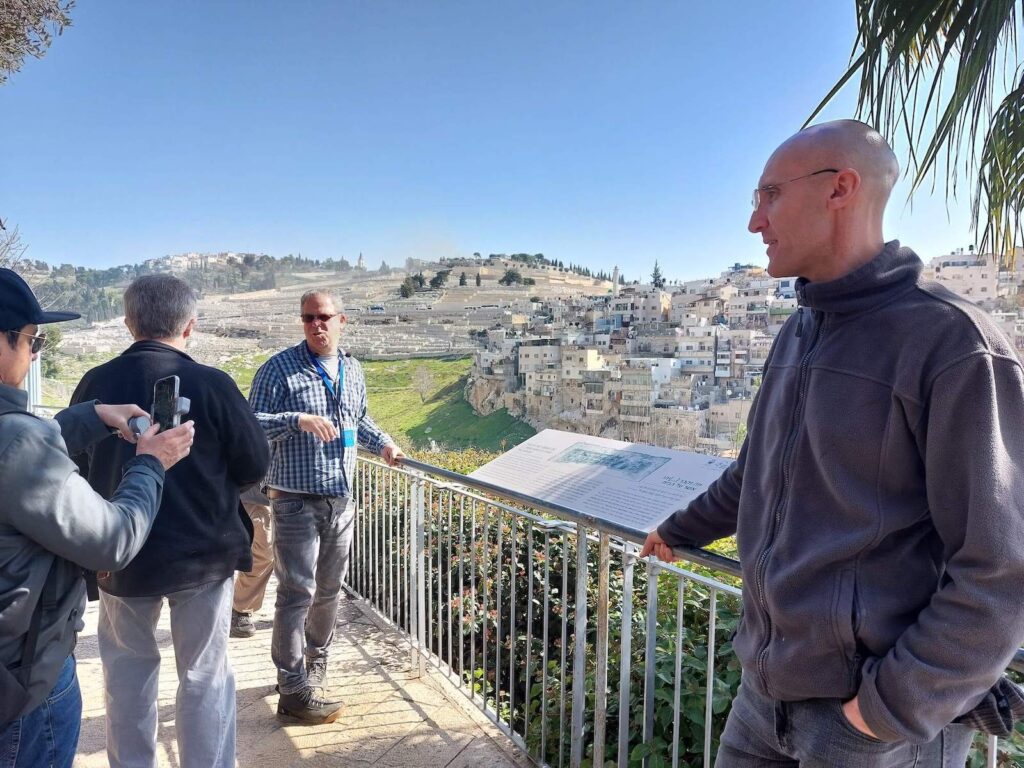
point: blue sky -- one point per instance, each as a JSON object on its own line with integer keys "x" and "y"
{"x": 597, "y": 133}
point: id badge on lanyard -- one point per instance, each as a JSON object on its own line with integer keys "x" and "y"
{"x": 348, "y": 436}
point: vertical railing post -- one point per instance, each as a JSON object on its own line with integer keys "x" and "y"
{"x": 626, "y": 652}
{"x": 417, "y": 619}
{"x": 650, "y": 653}
{"x": 579, "y": 658}
{"x": 601, "y": 672}
{"x": 992, "y": 757}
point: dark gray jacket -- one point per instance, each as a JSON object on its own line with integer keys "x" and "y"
{"x": 49, "y": 516}
{"x": 877, "y": 503}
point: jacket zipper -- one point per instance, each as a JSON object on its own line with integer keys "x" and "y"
{"x": 762, "y": 561}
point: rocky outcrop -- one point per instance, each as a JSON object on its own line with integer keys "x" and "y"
{"x": 484, "y": 395}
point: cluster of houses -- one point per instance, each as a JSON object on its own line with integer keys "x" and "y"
{"x": 676, "y": 365}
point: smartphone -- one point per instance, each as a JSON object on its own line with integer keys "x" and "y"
{"x": 165, "y": 403}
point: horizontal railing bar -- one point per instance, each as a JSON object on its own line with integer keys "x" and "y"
{"x": 693, "y": 554}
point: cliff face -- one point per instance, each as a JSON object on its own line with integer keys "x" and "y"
{"x": 484, "y": 395}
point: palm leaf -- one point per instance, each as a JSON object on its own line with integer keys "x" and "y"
{"x": 930, "y": 72}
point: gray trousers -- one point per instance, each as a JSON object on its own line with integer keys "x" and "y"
{"x": 204, "y": 711}
{"x": 312, "y": 543}
{"x": 762, "y": 733}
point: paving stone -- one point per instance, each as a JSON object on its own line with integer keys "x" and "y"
{"x": 391, "y": 718}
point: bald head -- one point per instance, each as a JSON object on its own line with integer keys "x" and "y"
{"x": 821, "y": 200}
{"x": 848, "y": 144}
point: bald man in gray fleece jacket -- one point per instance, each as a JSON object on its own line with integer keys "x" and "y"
{"x": 878, "y": 498}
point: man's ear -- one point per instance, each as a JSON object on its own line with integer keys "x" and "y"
{"x": 129, "y": 327}
{"x": 191, "y": 326}
{"x": 343, "y": 319}
{"x": 845, "y": 187}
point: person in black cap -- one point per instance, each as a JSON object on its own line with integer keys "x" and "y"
{"x": 52, "y": 526}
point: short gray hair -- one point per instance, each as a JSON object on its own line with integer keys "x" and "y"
{"x": 158, "y": 306}
{"x": 319, "y": 293}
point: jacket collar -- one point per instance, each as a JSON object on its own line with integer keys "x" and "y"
{"x": 890, "y": 273}
{"x": 149, "y": 345}
{"x": 12, "y": 399}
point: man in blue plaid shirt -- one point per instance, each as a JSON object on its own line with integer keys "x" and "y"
{"x": 311, "y": 401}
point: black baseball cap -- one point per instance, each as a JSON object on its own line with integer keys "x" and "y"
{"x": 20, "y": 307}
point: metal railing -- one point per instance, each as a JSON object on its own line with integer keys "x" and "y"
{"x": 548, "y": 621}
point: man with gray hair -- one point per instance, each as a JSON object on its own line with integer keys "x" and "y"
{"x": 311, "y": 401}
{"x": 201, "y": 537}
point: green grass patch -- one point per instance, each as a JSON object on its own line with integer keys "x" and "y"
{"x": 440, "y": 413}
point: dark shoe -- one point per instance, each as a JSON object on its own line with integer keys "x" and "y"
{"x": 308, "y": 707}
{"x": 241, "y": 625}
{"x": 316, "y": 672}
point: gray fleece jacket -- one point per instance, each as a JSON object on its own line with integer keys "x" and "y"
{"x": 878, "y": 503}
{"x": 50, "y": 516}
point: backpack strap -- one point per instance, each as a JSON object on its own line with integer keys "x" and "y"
{"x": 47, "y": 601}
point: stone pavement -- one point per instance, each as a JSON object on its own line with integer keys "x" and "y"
{"x": 391, "y": 717}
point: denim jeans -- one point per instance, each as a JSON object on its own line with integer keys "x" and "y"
{"x": 204, "y": 710}
{"x": 762, "y": 733}
{"x": 312, "y": 542}
{"x": 48, "y": 735}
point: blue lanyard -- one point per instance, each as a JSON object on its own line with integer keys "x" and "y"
{"x": 326, "y": 378}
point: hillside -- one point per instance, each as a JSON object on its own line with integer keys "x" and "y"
{"x": 440, "y": 414}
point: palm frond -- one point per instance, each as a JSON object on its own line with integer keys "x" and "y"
{"x": 930, "y": 72}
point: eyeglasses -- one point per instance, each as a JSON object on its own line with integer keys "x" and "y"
{"x": 306, "y": 318}
{"x": 771, "y": 189}
{"x": 38, "y": 342}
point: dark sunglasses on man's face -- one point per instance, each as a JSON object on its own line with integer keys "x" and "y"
{"x": 322, "y": 318}
{"x": 37, "y": 341}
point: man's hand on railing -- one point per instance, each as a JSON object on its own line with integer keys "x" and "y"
{"x": 392, "y": 454}
{"x": 656, "y": 545}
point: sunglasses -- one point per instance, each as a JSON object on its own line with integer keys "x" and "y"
{"x": 38, "y": 342}
{"x": 322, "y": 318}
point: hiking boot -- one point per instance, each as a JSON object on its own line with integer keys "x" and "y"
{"x": 308, "y": 707}
{"x": 241, "y": 625}
{"x": 316, "y": 672}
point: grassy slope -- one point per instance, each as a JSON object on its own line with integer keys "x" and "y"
{"x": 443, "y": 414}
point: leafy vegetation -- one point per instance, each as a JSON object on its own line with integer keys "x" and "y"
{"x": 946, "y": 75}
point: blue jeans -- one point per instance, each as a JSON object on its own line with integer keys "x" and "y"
{"x": 48, "y": 735}
{"x": 312, "y": 542}
{"x": 763, "y": 733}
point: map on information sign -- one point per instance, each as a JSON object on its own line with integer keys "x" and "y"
{"x": 633, "y": 486}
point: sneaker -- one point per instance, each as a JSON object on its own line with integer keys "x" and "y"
{"x": 316, "y": 672}
{"x": 308, "y": 707}
{"x": 241, "y": 625}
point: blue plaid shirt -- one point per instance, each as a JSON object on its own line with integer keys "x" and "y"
{"x": 287, "y": 386}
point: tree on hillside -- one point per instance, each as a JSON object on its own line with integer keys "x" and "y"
{"x": 511, "y": 277}
{"x": 11, "y": 247}
{"x": 384, "y": 268}
{"x": 407, "y": 288}
{"x": 419, "y": 280}
{"x": 423, "y": 382}
{"x": 48, "y": 360}
{"x": 462, "y": 279}
{"x": 27, "y": 28}
{"x": 438, "y": 281}
{"x": 657, "y": 279}
{"x": 945, "y": 75}
{"x": 477, "y": 279}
